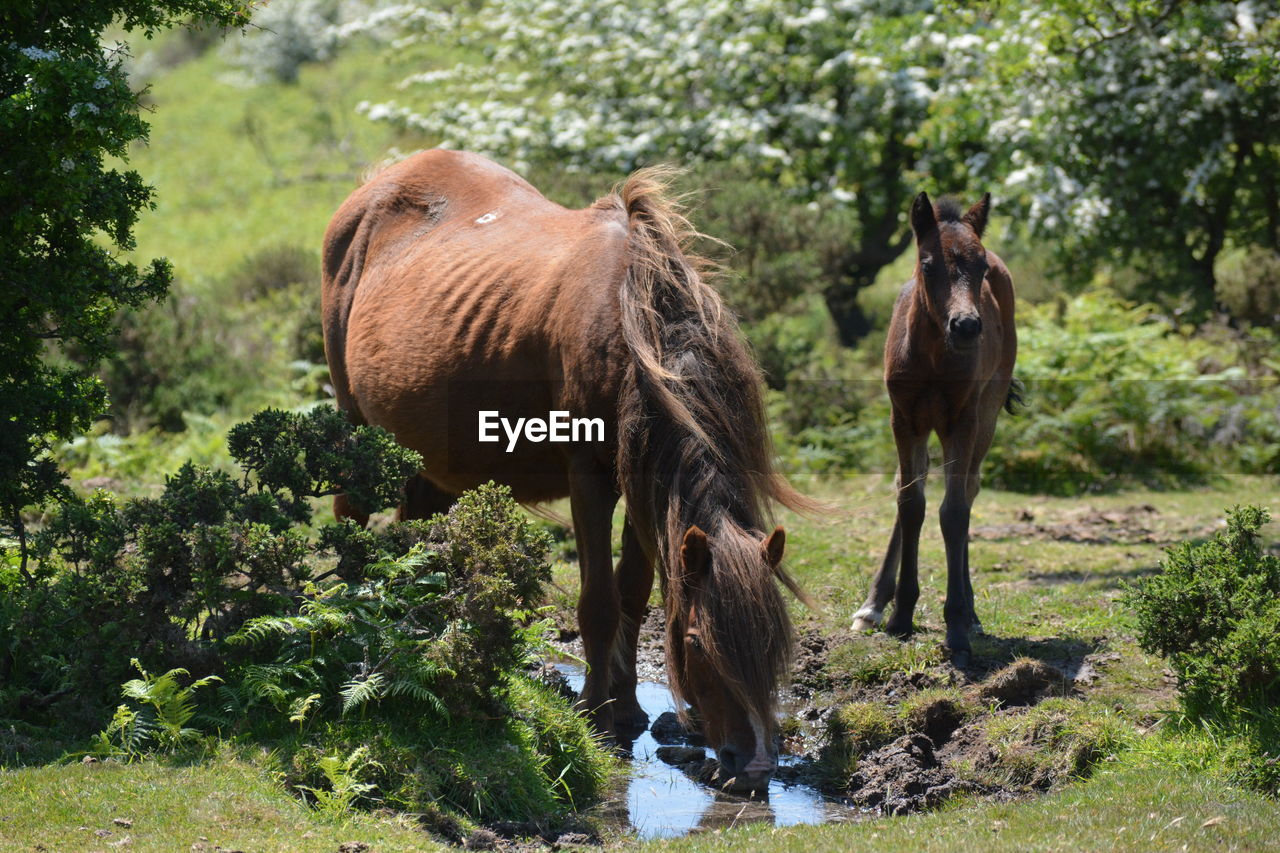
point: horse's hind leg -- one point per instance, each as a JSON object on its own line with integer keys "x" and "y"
{"x": 913, "y": 467}
{"x": 883, "y": 585}
{"x": 344, "y": 509}
{"x": 423, "y": 499}
{"x": 634, "y": 578}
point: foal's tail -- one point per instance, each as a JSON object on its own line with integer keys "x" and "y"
{"x": 1016, "y": 400}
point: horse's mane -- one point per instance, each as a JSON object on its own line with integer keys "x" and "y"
{"x": 694, "y": 443}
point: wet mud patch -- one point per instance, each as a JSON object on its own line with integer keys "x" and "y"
{"x": 1140, "y": 524}
{"x": 872, "y": 726}
{"x": 895, "y": 728}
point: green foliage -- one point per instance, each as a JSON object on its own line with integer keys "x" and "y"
{"x": 1159, "y": 409}
{"x": 1214, "y": 612}
{"x": 343, "y": 776}
{"x": 164, "y": 579}
{"x": 389, "y": 670}
{"x": 1138, "y": 133}
{"x": 67, "y": 110}
{"x": 166, "y": 707}
{"x": 436, "y": 628}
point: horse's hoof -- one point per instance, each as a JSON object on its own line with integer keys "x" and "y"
{"x": 629, "y": 723}
{"x": 867, "y": 619}
{"x": 895, "y": 629}
{"x": 961, "y": 658}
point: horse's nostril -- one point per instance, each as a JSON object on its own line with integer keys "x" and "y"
{"x": 728, "y": 759}
{"x": 966, "y": 327}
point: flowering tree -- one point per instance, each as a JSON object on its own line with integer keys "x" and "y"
{"x": 65, "y": 108}
{"x": 1144, "y": 132}
{"x": 826, "y": 100}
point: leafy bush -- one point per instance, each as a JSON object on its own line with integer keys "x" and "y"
{"x": 1214, "y": 612}
{"x": 164, "y": 579}
{"x": 1119, "y": 393}
{"x": 380, "y": 665}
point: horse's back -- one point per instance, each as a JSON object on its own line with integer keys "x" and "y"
{"x": 452, "y": 286}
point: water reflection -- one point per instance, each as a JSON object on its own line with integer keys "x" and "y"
{"x": 662, "y": 802}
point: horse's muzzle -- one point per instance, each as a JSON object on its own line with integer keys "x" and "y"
{"x": 742, "y": 774}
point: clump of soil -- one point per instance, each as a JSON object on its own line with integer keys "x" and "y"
{"x": 1023, "y": 682}
{"x": 903, "y": 777}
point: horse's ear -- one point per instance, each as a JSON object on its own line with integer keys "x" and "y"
{"x": 773, "y": 547}
{"x": 923, "y": 222}
{"x": 695, "y": 557}
{"x": 977, "y": 215}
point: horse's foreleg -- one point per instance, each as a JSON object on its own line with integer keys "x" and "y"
{"x": 635, "y": 581}
{"x": 953, "y": 515}
{"x": 423, "y": 499}
{"x": 913, "y": 467}
{"x": 344, "y": 509}
{"x": 986, "y": 432}
{"x": 592, "y": 498}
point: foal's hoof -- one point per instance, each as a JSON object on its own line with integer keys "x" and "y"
{"x": 961, "y": 658}
{"x": 867, "y": 619}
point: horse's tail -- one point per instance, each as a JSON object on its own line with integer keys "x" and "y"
{"x": 690, "y": 361}
{"x": 1016, "y": 399}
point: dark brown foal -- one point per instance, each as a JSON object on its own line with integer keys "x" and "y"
{"x": 949, "y": 369}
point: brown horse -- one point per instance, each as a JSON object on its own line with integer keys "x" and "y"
{"x": 452, "y": 287}
{"x": 949, "y": 369}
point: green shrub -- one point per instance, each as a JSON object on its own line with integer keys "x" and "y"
{"x": 1117, "y": 393}
{"x": 165, "y": 579}
{"x": 1214, "y": 612}
{"x": 381, "y": 665}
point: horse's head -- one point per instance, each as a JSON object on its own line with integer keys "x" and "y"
{"x": 729, "y": 641}
{"x": 950, "y": 266}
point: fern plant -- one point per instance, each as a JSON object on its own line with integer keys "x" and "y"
{"x": 165, "y": 707}
{"x": 345, "y": 788}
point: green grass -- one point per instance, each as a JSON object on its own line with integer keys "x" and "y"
{"x": 1137, "y": 803}
{"x": 225, "y": 803}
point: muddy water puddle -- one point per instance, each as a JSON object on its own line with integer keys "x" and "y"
{"x": 661, "y": 801}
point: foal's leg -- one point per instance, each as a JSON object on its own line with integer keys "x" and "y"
{"x": 913, "y": 466}
{"x": 986, "y": 432}
{"x": 634, "y": 577}
{"x": 592, "y": 498}
{"x": 957, "y": 452}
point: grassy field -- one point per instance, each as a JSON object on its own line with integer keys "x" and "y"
{"x": 243, "y": 170}
{"x": 1047, "y": 582}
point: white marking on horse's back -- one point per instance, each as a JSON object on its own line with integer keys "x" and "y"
{"x": 487, "y": 218}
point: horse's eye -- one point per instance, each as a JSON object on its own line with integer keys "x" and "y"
{"x": 694, "y": 640}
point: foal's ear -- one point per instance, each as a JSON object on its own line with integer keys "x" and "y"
{"x": 695, "y": 556}
{"x": 923, "y": 221}
{"x": 977, "y": 215}
{"x": 773, "y": 547}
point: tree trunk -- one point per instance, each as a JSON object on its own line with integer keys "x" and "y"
{"x": 841, "y": 297}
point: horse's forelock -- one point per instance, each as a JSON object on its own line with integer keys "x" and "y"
{"x": 746, "y": 630}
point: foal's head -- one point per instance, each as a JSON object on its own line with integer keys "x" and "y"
{"x": 729, "y": 642}
{"x": 950, "y": 266}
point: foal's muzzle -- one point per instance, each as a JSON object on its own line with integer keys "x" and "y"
{"x": 964, "y": 330}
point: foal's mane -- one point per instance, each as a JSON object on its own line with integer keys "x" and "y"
{"x": 694, "y": 445}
